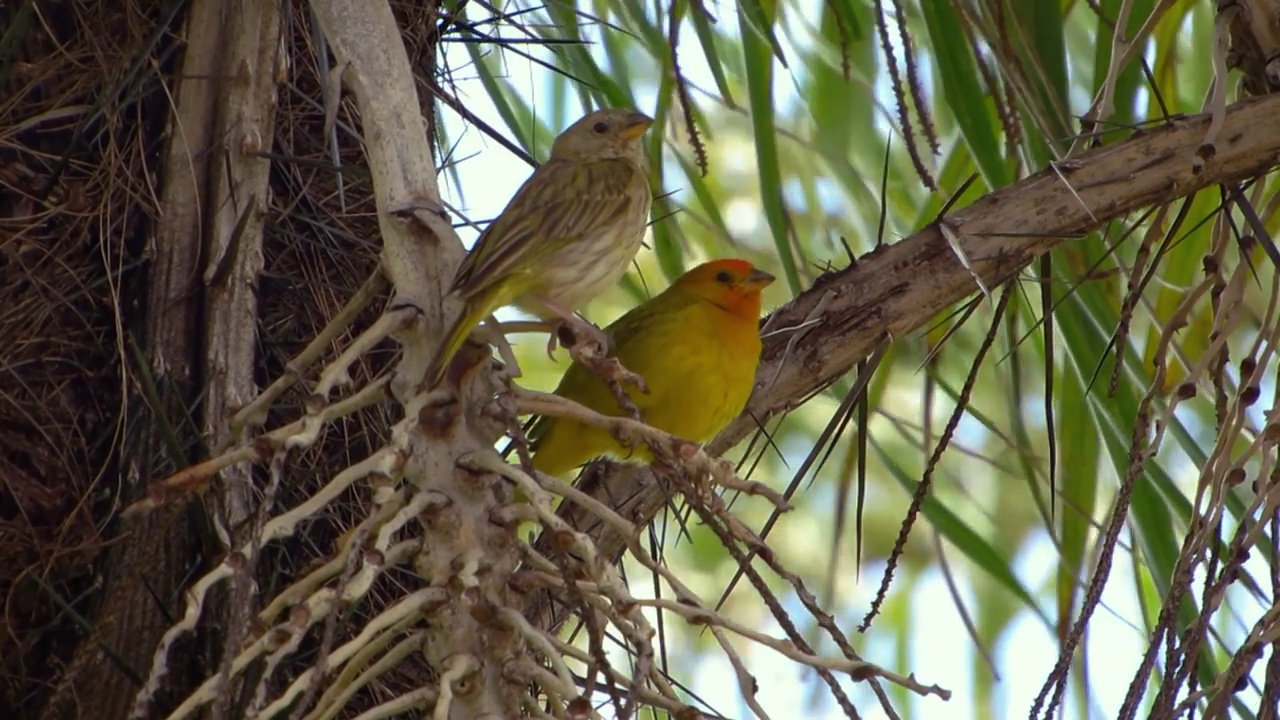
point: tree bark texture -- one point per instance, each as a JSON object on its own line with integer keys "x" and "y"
{"x": 201, "y": 318}
{"x": 463, "y": 552}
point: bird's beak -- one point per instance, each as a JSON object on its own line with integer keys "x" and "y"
{"x": 758, "y": 279}
{"x": 636, "y": 125}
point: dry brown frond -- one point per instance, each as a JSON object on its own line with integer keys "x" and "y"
{"x": 76, "y": 197}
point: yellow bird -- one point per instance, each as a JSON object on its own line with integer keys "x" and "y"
{"x": 697, "y": 345}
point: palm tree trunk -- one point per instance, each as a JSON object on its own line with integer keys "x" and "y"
{"x": 201, "y": 319}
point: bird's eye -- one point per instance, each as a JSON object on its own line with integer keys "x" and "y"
{"x": 600, "y": 128}
{"x": 724, "y": 277}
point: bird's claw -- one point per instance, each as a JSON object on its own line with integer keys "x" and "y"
{"x": 580, "y": 332}
{"x": 598, "y": 337}
{"x": 610, "y": 367}
{"x": 589, "y": 354}
{"x": 573, "y": 330}
{"x": 589, "y": 345}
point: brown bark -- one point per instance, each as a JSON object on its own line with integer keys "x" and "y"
{"x": 210, "y": 180}
{"x": 895, "y": 290}
{"x": 237, "y": 204}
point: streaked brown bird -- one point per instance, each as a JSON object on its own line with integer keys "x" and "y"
{"x": 567, "y": 235}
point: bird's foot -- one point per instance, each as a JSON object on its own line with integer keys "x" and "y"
{"x": 590, "y": 354}
{"x": 589, "y": 345}
{"x": 551, "y": 342}
{"x": 491, "y": 333}
{"x": 572, "y": 331}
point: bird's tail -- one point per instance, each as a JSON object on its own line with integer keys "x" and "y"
{"x": 473, "y": 313}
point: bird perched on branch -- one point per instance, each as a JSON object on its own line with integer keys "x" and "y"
{"x": 567, "y": 235}
{"x": 697, "y": 345}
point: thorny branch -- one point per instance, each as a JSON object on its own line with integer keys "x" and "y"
{"x": 690, "y": 607}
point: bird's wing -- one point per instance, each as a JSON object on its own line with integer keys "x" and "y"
{"x": 640, "y": 321}
{"x": 558, "y": 205}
